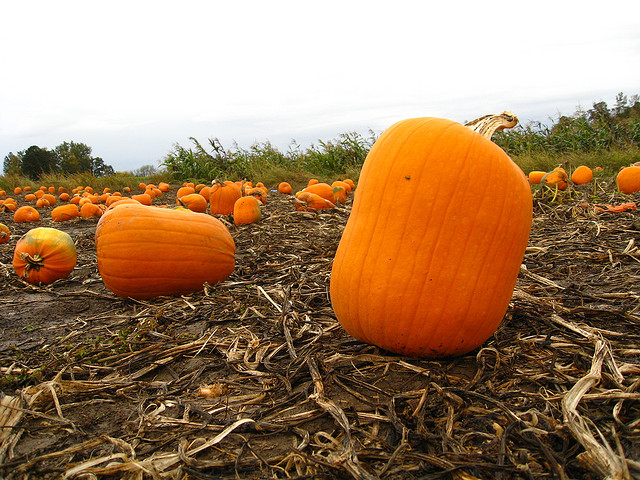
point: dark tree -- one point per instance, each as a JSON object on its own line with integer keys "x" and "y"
{"x": 37, "y": 161}
{"x": 13, "y": 163}
{"x": 74, "y": 157}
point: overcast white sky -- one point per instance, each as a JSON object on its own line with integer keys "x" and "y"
{"x": 132, "y": 78}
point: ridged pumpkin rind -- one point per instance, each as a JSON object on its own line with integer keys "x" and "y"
{"x": 56, "y": 249}
{"x": 145, "y": 251}
{"x": 431, "y": 251}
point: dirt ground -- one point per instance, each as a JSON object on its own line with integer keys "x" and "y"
{"x": 254, "y": 377}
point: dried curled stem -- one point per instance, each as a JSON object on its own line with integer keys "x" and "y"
{"x": 487, "y": 125}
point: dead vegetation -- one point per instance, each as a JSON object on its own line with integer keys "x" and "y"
{"x": 254, "y": 378}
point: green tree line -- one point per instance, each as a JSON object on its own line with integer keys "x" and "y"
{"x": 67, "y": 158}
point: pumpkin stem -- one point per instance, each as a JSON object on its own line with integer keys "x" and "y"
{"x": 487, "y": 125}
{"x": 32, "y": 262}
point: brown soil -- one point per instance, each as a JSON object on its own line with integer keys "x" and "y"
{"x": 254, "y": 377}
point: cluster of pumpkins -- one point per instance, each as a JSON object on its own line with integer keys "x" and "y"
{"x": 627, "y": 179}
{"x": 559, "y": 178}
{"x": 243, "y": 199}
{"x": 134, "y": 234}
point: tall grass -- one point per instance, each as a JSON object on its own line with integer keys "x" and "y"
{"x": 601, "y": 136}
{"x": 337, "y": 157}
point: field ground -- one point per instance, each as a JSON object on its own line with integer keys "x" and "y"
{"x": 254, "y": 378}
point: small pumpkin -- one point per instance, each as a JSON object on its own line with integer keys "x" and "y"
{"x": 9, "y": 204}
{"x": 429, "y": 256}
{"x": 246, "y": 210}
{"x": 62, "y": 213}
{"x": 311, "y": 202}
{"x": 44, "y": 255}
{"x": 339, "y": 194}
{"x": 285, "y": 188}
{"x": 26, "y": 213}
{"x": 143, "y": 198}
{"x": 145, "y": 252}
{"x": 556, "y": 178}
{"x": 582, "y": 175}
{"x": 5, "y": 233}
{"x": 628, "y": 179}
{"x": 323, "y": 189}
{"x": 92, "y": 210}
{"x": 340, "y": 183}
{"x": 193, "y": 201}
{"x": 185, "y": 190}
{"x": 350, "y": 182}
{"x": 535, "y": 176}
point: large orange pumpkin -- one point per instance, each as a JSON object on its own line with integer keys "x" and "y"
{"x": 44, "y": 255}
{"x": 145, "y": 252}
{"x": 431, "y": 251}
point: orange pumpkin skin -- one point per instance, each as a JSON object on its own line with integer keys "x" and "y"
{"x": 246, "y": 210}
{"x": 44, "y": 255}
{"x": 628, "y": 179}
{"x": 535, "y": 176}
{"x": 26, "y": 214}
{"x": 145, "y": 252}
{"x": 311, "y": 202}
{"x": 323, "y": 189}
{"x": 66, "y": 212}
{"x": 434, "y": 280}
{"x": 284, "y": 187}
{"x": 5, "y": 233}
{"x": 582, "y": 175}
{"x": 223, "y": 196}
{"x": 556, "y": 178}
{"x": 193, "y": 201}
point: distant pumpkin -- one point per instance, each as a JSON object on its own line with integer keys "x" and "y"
{"x": 284, "y": 187}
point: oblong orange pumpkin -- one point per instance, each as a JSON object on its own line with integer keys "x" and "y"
{"x": 429, "y": 256}
{"x": 44, "y": 255}
{"x": 323, "y": 189}
{"x": 90, "y": 210}
{"x": 26, "y": 213}
{"x": 311, "y": 202}
{"x": 65, "y": 212}
{"x": 145, "y": 252}
{"x": 535, "y": 176}
{"x": 193, "y": 201}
